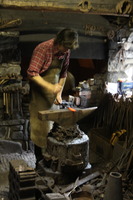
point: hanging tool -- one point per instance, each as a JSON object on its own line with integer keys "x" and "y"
{"x": 116, "y": 135}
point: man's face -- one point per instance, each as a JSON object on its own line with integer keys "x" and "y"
{"x": 62, "y": 49}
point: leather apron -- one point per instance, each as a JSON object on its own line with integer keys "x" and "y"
{"x": 41, "y": 100}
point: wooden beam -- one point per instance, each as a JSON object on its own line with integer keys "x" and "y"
{"x": 85, "y": 6}
{"x": 37, "y": 20}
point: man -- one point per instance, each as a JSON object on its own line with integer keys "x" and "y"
{"x": 47, "y": 74}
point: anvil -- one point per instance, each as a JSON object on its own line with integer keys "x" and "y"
{"x": 65, "y": 117}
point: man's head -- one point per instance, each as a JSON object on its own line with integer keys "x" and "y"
{"x": 68, "y": 38}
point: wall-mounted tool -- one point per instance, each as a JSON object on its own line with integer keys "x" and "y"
{"x": 115, "y": 136}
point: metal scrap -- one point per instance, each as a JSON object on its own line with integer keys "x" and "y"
{"x": 79, "y": 182}
{"x": 61, "y": 133}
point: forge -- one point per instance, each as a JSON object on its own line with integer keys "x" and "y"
{"x": 67, "y": 152}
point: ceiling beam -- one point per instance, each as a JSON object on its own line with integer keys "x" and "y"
{"x": 104, "y": 7}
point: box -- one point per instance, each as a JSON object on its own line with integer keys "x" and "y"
{"x": 100, "y": 143}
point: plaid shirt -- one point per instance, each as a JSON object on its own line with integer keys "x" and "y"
{"x": 42, "y": 58}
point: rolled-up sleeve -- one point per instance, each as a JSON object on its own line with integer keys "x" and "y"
{"x": 37, "y": 62}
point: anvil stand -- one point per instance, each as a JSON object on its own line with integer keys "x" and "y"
{"x": 67, "y": 152}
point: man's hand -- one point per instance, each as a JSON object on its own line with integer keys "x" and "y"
{"x": 58, "y": 99}
{"x": 52, "y": 88}
{"x": 57, "y": 88}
